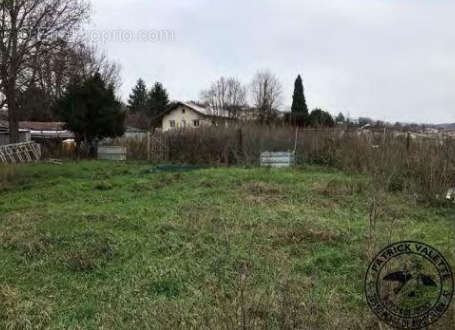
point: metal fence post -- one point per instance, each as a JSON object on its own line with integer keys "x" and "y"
{"x": 148, "y": 145}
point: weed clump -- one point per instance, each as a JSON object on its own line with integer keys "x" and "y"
{"x": 89, "y": 252}
{"x": 103, "y": 185}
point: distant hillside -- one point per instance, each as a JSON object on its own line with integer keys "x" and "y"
{"x": 446, "y": 126}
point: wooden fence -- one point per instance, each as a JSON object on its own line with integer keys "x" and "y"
{"x": 157, "y": 147}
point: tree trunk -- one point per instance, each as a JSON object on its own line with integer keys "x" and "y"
{"x": 12, "y": 115}
{"x": 11, "y": 88}
{"x": 93, "y": 147}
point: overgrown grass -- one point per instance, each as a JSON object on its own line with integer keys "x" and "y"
{"x": 421, "y": 165}
{"x": 94, "y": 245}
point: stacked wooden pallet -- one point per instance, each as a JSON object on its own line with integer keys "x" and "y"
{"x": 20, "y": 152}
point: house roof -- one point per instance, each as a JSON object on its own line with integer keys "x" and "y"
{"x": 42, "y": 126}
{"x": 37, "y": 126}
{"x": 41, "y": 130}
{"x": 204, "y": 111}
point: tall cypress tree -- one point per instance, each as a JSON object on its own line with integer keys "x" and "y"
{"x": 138, "y": 99}
{"x": 299, "y": 107}
{"x": 158, "y": 100}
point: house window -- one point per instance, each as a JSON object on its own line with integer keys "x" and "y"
{"x": 172, "y": 123}
{"x": 196, "y": 123}
{"x": 183, "y": 110}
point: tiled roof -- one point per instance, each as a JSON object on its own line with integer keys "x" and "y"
{"x": 206, "y": 111}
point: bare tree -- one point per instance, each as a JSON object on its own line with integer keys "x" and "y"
{"x": 53, "y": 73}
{"x": 28, "y": 30}
{"x": 266, "y": 94}
{"x": 225, "y": 95}
{"x": 84, "y": 61}
{"x": 74, "y": 62}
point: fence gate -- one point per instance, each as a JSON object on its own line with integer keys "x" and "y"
{"x": 157, "y": 147}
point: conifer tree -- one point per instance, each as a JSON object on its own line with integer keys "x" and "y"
{"x": 138, "y": 99}
{"x": 299, "y": 107}
{"x": 91, "y": 111}
{"x": 158, "y": 100}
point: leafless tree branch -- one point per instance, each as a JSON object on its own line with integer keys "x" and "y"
{"x": 266, "y": 94}
{"x": 29, "y": 29}
{"x": 225, "y": 95}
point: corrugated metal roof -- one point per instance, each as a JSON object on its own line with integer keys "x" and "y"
{"x": 36, "y": 125}
{"x": 42, "y": 126}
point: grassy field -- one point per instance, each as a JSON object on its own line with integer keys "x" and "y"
{"x": 99, "y": 245}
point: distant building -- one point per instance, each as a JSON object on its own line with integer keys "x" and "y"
{"x": 46, "y": 130}
{"x": 3, "y": 114}
{"x": 191, "y": 115}
{"x": 431, "y": 130}
{"x": 36, "y": 131}
{"x": 24, "y": 136}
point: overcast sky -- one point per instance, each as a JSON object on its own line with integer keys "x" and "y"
{"x": 392, "y": 60}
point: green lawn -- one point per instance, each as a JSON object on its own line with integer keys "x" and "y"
{"x": 100, "y": 245}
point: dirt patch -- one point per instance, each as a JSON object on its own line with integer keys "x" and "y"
{"x": 261, "y": 192}
{"x": 97, "y": 217}
{"x": 89, "y": 251}
{"x": 303, "y": 235}
{"x": 207, "y": 183}
{"x": 141, "y": 187}
{"x": 103, "y": 186}
{"x": 337, "y": 188}
{"x": 261, "y": 188}
{"x": 101, "y": 175}
{"x": 20, "y": 313}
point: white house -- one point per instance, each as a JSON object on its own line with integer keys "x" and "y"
{"x": 188, "y": 114}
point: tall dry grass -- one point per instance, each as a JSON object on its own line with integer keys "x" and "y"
{"x": 423, "y": 166}
{"x": 7, "y": 175}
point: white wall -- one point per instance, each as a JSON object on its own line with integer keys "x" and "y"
{"x": 180, "y": 117}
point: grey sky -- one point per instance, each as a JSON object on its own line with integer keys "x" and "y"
{"x": 387, "y": 59}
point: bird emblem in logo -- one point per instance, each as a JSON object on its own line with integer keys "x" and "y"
{"x": 406, "y": 278}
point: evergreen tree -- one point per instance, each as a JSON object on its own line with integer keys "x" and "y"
{"x": 340, "y": 118}
{"x": 320, "y": 118}
{"x": 299, "y": 107}
{"x": 91, "y": 111}
{"x": 158, "y": 100}
{"x": 138, "y": 99}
